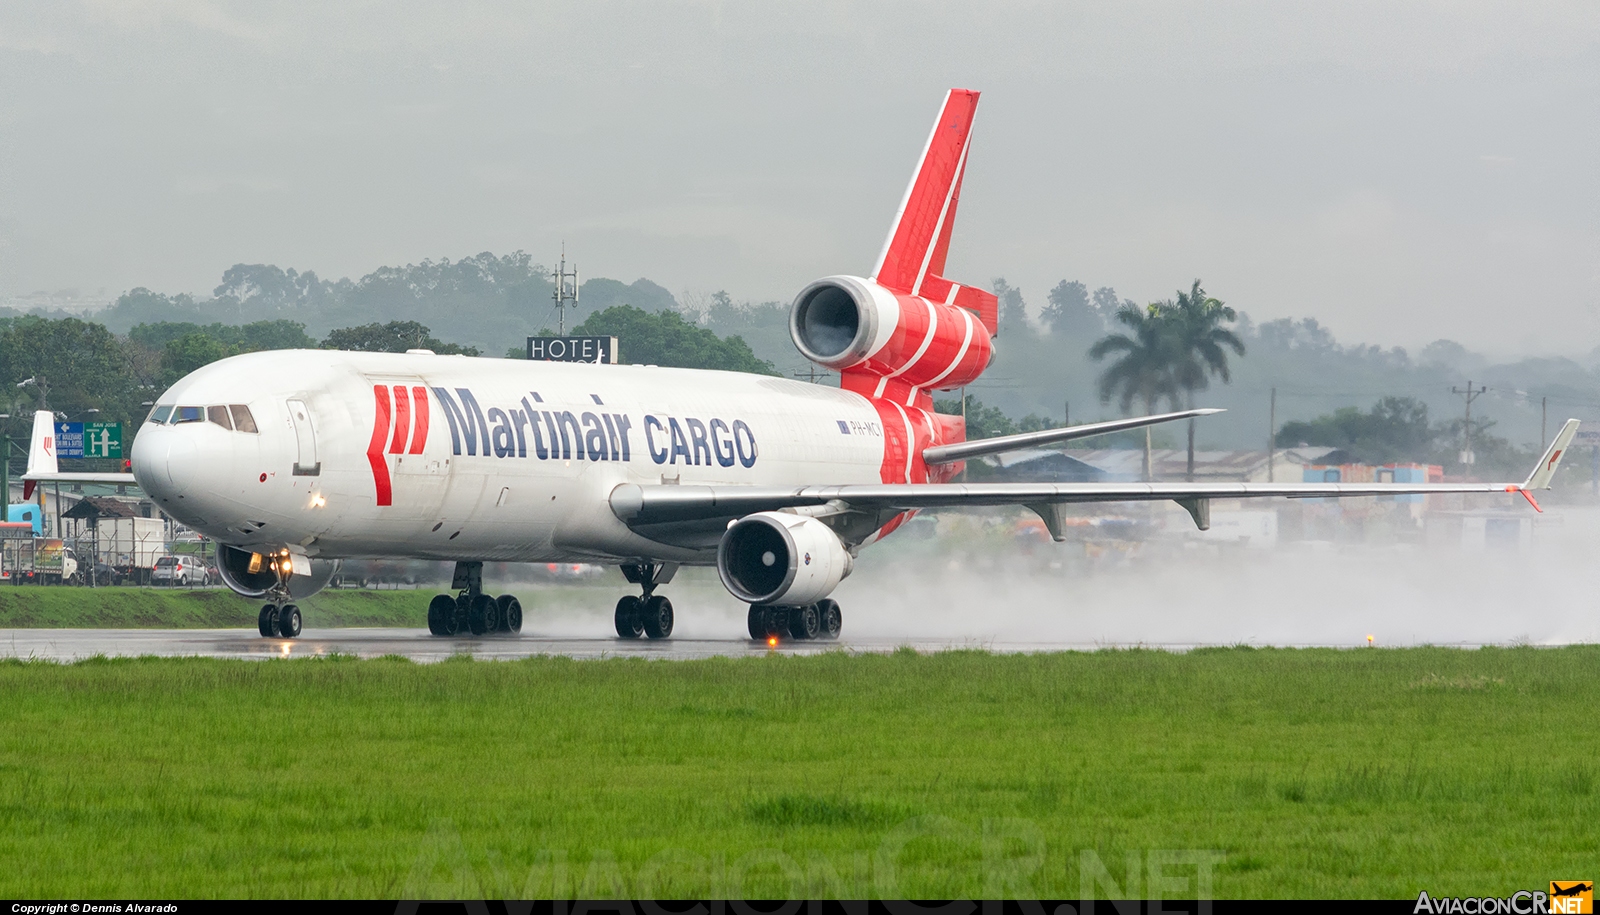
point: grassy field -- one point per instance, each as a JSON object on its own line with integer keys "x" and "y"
{"x": 1321, "y": 773}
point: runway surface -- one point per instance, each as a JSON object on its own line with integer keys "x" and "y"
{"x": 418, "y": 645}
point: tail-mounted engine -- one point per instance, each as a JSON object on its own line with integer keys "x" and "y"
{"x": 781, "y": 558}
{"x": 856, "y": 326}
{"x": 256, "y": 575}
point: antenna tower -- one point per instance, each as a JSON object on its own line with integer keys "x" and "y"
{"x": 566, "y": 291}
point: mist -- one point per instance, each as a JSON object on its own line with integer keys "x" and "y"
{"x": 1183, "y": 591}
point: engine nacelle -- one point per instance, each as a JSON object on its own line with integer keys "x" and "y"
{"x": 847, "y": 323}
{"x": 781, "y": 558}
{"x": 254, "y": 575}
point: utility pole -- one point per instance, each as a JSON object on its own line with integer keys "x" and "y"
{"x": 811, "y": 374}
{"x": 1272, "y": 435}
{"x": 564, "y": 292}
{"x": 1066, "y": 415}
{"x": 1470, "y": 394}
{"x": 1544, "y": 417}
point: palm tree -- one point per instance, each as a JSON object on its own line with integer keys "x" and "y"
{"x": 1200, "y": 345}
{"x": 1143, "y": 370}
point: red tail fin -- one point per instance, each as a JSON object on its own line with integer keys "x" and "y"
{"x": 921, "y": 229}
{"x": 913, "y": 256}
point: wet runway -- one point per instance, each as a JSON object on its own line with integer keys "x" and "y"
{"x": 418, "y": 645}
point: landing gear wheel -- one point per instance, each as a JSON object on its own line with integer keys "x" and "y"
{"x": 657, "y": 617}
{"x": 832, "y": 619}
{"x": 267, "y": 622}
{"x": 289, "y": 621}
{"x": 510, "y": 613}
{"x": 442, "y": 615}
{"x": 630, "y": 611}
{"x": 804, "y": 622}
{"x": 766, "y": 621}
{"x": 483, "y": 615}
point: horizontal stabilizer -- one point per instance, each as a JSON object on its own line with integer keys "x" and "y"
{"x": 1546, "y": 468}
{"x": 960, "y": 451}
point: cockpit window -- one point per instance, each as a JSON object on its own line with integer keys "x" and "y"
{"x": 219, "y": 415}
{"x": 242, "y": 420}
{"x": 160, "y": 414}
{"x": 189, "y": 415}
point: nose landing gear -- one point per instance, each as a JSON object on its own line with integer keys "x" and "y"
{"x": 471, "y": 609}
{"x": 650, "y": 614}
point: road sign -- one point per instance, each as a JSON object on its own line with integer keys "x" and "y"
{"x": 1588, "y": 436}
{"x": 599, "y": 350}
{"x": 89, "y": 440}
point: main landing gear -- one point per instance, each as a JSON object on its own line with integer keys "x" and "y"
{"x": 471, "y": 609}
{"x": 650, "y": 614}
{"x": 821, "y": 620}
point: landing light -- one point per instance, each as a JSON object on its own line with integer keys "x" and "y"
{"x": 772, "y": 641}
{"x": 317, "y": 501}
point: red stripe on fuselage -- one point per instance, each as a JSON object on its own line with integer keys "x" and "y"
{"x": 402, "y": 420}
{"x": 419, "y": 404}
{"x": 380, "y": 431}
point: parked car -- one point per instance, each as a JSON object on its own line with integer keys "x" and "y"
{"x": 180, "y": 570}
{"x": 105, "y": 574}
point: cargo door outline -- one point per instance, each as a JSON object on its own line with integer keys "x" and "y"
{"x": 418, "y": 464}
{"x": 305, "y": 434}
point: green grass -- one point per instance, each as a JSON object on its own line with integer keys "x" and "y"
{"x": 31, "y": 607}
{"x": 1313, "y": 773}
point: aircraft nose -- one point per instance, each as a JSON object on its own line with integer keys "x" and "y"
{"x": 164, "y": 463}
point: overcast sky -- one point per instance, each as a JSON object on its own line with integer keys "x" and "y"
{"x": 1402, "y": 171}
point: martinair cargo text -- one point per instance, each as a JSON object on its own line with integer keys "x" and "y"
{"x": 293, "y": 460}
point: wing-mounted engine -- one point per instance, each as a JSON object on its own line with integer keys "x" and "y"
{"x": 781, "y": 558}
{"x": 257, "y": 575}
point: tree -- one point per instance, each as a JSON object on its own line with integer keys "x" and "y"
{"x": 1143, "y": 370}
{"x": 1396, "y": 429}
{"x": 394, "y": 337}
{"x": 1200, "y": 345}
{"x": 1070, "y": 313}
{"x": 665, "y": 338}
{"x": 189, "y": 352}
{"x": 1013, "y": 310}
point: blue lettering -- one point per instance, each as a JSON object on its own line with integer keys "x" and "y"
{"x": 697, "y": 437}
{"x": 723, "y": 447}
{"x": 566, "y": 446}
{"x": 680, "y": 445}
{"x": 660, "y": 457}
{"x": 533, "y": 423}
{"x": 502, "y": 433}
{"x": 520, "y": 420}
{"x": 466, "y": 420}
{"x": 564, "y": 421}
{"x": 611, "y": 433}
{"x": 623, "y": 425}
{"x": 595, "y": 438}
{"x": 747, "y": 453}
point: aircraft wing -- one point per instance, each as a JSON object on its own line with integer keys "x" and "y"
{"x": 686, "y": 514}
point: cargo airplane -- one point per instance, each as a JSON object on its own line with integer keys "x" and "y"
{"x": 292, "y": 460}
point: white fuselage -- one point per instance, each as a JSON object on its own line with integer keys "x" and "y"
{"x": 515, "y": 460}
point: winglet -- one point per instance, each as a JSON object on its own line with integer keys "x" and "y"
{"x": 1546, "y": 469}
{"x": 41, "y": 450}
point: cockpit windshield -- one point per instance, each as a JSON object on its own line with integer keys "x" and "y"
{"x": 229, "y": 416}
